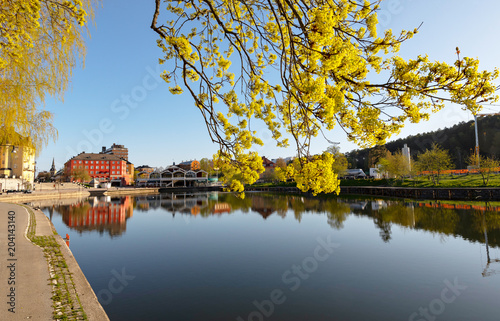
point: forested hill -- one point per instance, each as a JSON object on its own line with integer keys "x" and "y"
{"x": 459, "y": 140}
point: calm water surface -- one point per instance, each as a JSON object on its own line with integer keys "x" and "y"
{"x": 274, "y": 257}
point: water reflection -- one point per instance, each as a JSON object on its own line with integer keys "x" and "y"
{"x": 476, "y": 222}
{"x": 98, "y": 214}
{"x": 229, "y": 252}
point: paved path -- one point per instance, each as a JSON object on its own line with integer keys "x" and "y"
{"x": 25, "y": 292}
{"x": 24, "y": 277}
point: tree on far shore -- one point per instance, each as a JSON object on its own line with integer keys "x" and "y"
{"x": 433, "y": 162}
{"x": 487, "y": 166}
{"x": 396, "y": 165}
{"x": 81, "y": 175}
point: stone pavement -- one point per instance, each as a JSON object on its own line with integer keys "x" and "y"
{"x": 24, "y": 274}
{"x": 25, "y": 286}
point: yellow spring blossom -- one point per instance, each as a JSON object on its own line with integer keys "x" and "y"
{"x": 302, "y": 68}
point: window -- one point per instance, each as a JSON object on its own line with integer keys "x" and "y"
{"x": 91, "y": 162}
{"x": 86, "y": 162}
{"x": 79, "y": 162}
{"x": 113, "y": 172}
{"x": 91, "y": 172}
{"x": 80, "y": 167}
{"x": 91, "y": 167}
{"x": 107, "y": 167}
{"x": 97, "y": 167}
{"x": 112, "y": 167}
{"x": 86, "y": 167}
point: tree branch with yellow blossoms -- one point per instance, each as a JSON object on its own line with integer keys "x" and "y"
{"x": 302, "y": 68}
{"x": 41, "y": 41}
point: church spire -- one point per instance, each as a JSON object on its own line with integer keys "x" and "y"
{"x": 53, "y": 169}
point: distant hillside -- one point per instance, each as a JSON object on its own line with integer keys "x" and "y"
{"x": 459, "y": 140}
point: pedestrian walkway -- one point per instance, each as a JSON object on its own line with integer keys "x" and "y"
{"x": 43, "y": 191}
{"x": 26, "y": 285}
{"x": 24, "y": 275}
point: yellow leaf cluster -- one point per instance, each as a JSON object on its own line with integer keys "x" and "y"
{"x": 303, "y": 67}
{"x": 41, "y": 42}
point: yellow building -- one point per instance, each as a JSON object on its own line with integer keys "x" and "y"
{"x": 17, "y": 162}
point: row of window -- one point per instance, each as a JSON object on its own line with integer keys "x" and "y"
{"x": 97, "y": 173}
{"x": 97, "y": 162}
{"x": 97, "y": 167}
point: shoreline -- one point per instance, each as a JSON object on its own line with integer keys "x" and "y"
{"x": 417, "y": 193}
{"x": 81, "y": 286}
{"x": 46, "y": 281}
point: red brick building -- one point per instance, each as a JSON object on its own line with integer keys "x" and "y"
{"x": 102, "y": 167}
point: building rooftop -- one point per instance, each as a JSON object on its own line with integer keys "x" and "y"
{"x": 92, "y": 156}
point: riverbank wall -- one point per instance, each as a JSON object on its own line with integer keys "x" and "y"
{"x": 193, "y": 189}
{"x": 123, "y": 191}
{"x": 458, "y": 194}
{"x": 462, "y": 194}
{"x": 39, "y": 196}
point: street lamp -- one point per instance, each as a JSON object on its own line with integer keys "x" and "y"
{"x": 477, "y": 137}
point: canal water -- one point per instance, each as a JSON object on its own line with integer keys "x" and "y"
{"x": 282, "y": 257}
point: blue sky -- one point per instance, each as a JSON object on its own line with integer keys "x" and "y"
{"x": 119, "y": 98}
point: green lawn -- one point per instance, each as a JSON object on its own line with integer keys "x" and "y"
{"x": 471, "y": 180}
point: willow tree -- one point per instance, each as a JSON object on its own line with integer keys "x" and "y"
{"x": 41, "y": 41}
{"x": 302, "y": 68}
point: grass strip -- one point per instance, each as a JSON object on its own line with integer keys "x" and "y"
{"x": 65, "y": 300}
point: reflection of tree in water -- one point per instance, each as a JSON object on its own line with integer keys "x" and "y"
{"x": 385, "y": 229}
{"x": 455, "y": 219}
{"x": 336, "y": 213}
{"x": 267, "y": 204}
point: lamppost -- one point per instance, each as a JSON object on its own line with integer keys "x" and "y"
{"x": 477, "y": 136}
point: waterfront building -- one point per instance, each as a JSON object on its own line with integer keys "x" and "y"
{"x": 17, "y": 164}
{"x": 192, "y": 165}
{"x": 117, "y": 150}
{"x": 130, "y": 171}
{"x": 102, "y": 167}
{"x": 172, "y": 176}
{"x": 144, "y": 168}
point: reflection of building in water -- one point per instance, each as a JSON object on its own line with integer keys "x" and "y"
{"x": 220, "y": 208}
{"x": 378, "y": 205}
{"x": 107, "y": 215}
{"x": 262, "y": 206}
{"x": 185, "y": 203}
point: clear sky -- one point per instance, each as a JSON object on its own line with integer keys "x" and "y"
{"x": 119, "y": 98}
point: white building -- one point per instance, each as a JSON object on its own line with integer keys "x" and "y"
{"x": 406, "y": 154}
{"x": 17, "y": 163}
